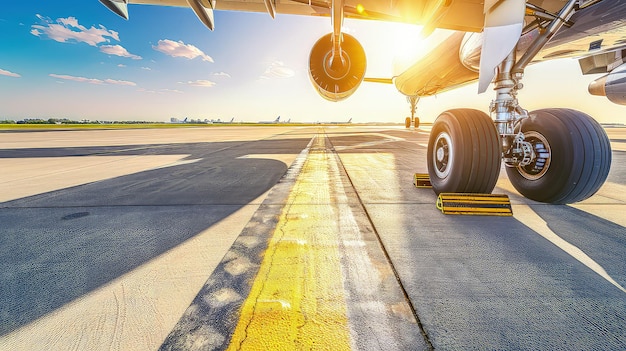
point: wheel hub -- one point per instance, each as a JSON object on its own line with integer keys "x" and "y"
{"x": 540, "y": 163}
{"x": 442, "y": 155}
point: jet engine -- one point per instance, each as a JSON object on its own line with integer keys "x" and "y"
{"x": 613, "y": 86}
{"x": 337, "y": 78}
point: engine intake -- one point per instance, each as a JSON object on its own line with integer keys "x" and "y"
{"x": 337, "y": 83}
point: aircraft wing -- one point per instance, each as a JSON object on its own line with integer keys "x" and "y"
{"x": 495, "y": 28}
{"x": 501, "y": 20}
{"x": 464, "y": 15}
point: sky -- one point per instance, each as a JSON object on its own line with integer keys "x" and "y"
{"x": 76, "y": 59}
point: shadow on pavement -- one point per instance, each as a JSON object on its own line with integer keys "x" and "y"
{"x": 58, "y": 246}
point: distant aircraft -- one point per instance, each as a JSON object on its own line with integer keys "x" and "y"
{"x": 347, "y": 122}
{"x": 276, "y": 121}
{"x": 219, "y": 121}
{"x": 552, "y": 155}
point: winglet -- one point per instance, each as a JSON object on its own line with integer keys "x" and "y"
{"x": 503, "y": 28}
{"x": 119, "y": 7}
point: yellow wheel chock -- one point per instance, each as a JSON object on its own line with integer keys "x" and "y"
{"x": 422, "y": 180}
{"x": 475, "y": 204}
{"x": 467, "y": 203}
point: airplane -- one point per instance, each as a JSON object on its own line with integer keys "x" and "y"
{"x": 346, "y": 122}
{"x": 551, "y": 155}
{"x": 276, "y": 121}
{"x": 219, "y": 121}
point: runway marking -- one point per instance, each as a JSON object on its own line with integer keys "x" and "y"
{"x": 368, "y": 144}
{"x": 307, "y": 275}
{"x": 532, "y": 220}
{"x": 297, "y": 299}
{"x": 366, "y": 272}
{"x": 211, "y": 318}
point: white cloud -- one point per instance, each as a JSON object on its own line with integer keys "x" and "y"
{"x": 76, "y": 79}
{"x": 200, "y": 83}
{"x": 68, "y": 29}
{"x": 161, "y": 91}
{"x": 277, "y": 69}
{"x": 146, "y": 68}
{"x": 92, "y": 80}
{"x": 172, "y": 91}
{"x": 180, "y": 49}
{"x": 121, "y": 65}
{"x": 118, "y": 50}
{"x": 120, "y": 82}
{"x": 9, "y": 74}
{"x": 221, "y": 74}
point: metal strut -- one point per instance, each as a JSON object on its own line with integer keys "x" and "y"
{"x": 336, "y": 58}
{"x": 413, "y": 99}
{"x": 505, "y": 109}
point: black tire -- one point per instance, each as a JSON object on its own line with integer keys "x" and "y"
{"x": 463, "y": 152}
{"x": 577, "y": 159}
{"x": 416, "y": 122}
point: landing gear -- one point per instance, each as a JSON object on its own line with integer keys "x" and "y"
{"x": 463, "y": 152}
{"x": 571, "y": 157}
{"x": 412, "y": 120}
{"x": 554, "y": 155}
{"x": 408, "y": 122}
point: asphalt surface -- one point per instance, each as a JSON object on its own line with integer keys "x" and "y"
{"x": 147, "y": 239}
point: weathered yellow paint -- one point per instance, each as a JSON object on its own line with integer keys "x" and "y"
{"x": 297, "y": 299}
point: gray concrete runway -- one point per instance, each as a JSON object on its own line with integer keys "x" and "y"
{"x": 120, "y": 240}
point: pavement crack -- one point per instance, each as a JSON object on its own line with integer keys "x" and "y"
{"x": 274, "y": 244}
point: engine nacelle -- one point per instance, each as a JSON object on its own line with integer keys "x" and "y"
{"x": 613, "y": 86}
{"x": 332, "y": 82}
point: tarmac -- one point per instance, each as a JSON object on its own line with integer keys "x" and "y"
{"x": 287, "y": 237}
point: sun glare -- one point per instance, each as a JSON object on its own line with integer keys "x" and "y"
{"x": 385, "y": 43}
{"x": 408, "y": 45}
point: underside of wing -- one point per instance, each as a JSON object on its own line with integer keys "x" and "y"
{"x": 465, "y": 15}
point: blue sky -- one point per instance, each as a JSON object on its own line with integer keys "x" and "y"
{"x": 78, "y": 60}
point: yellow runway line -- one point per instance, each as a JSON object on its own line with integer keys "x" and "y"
{"x": 297, "y": 300}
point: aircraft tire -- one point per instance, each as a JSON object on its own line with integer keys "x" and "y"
{"x": 577, "y": 157}
{"x": 463, "y": 152}
{"x": 407, "y": 122}
{"x": 416, "y": 121}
